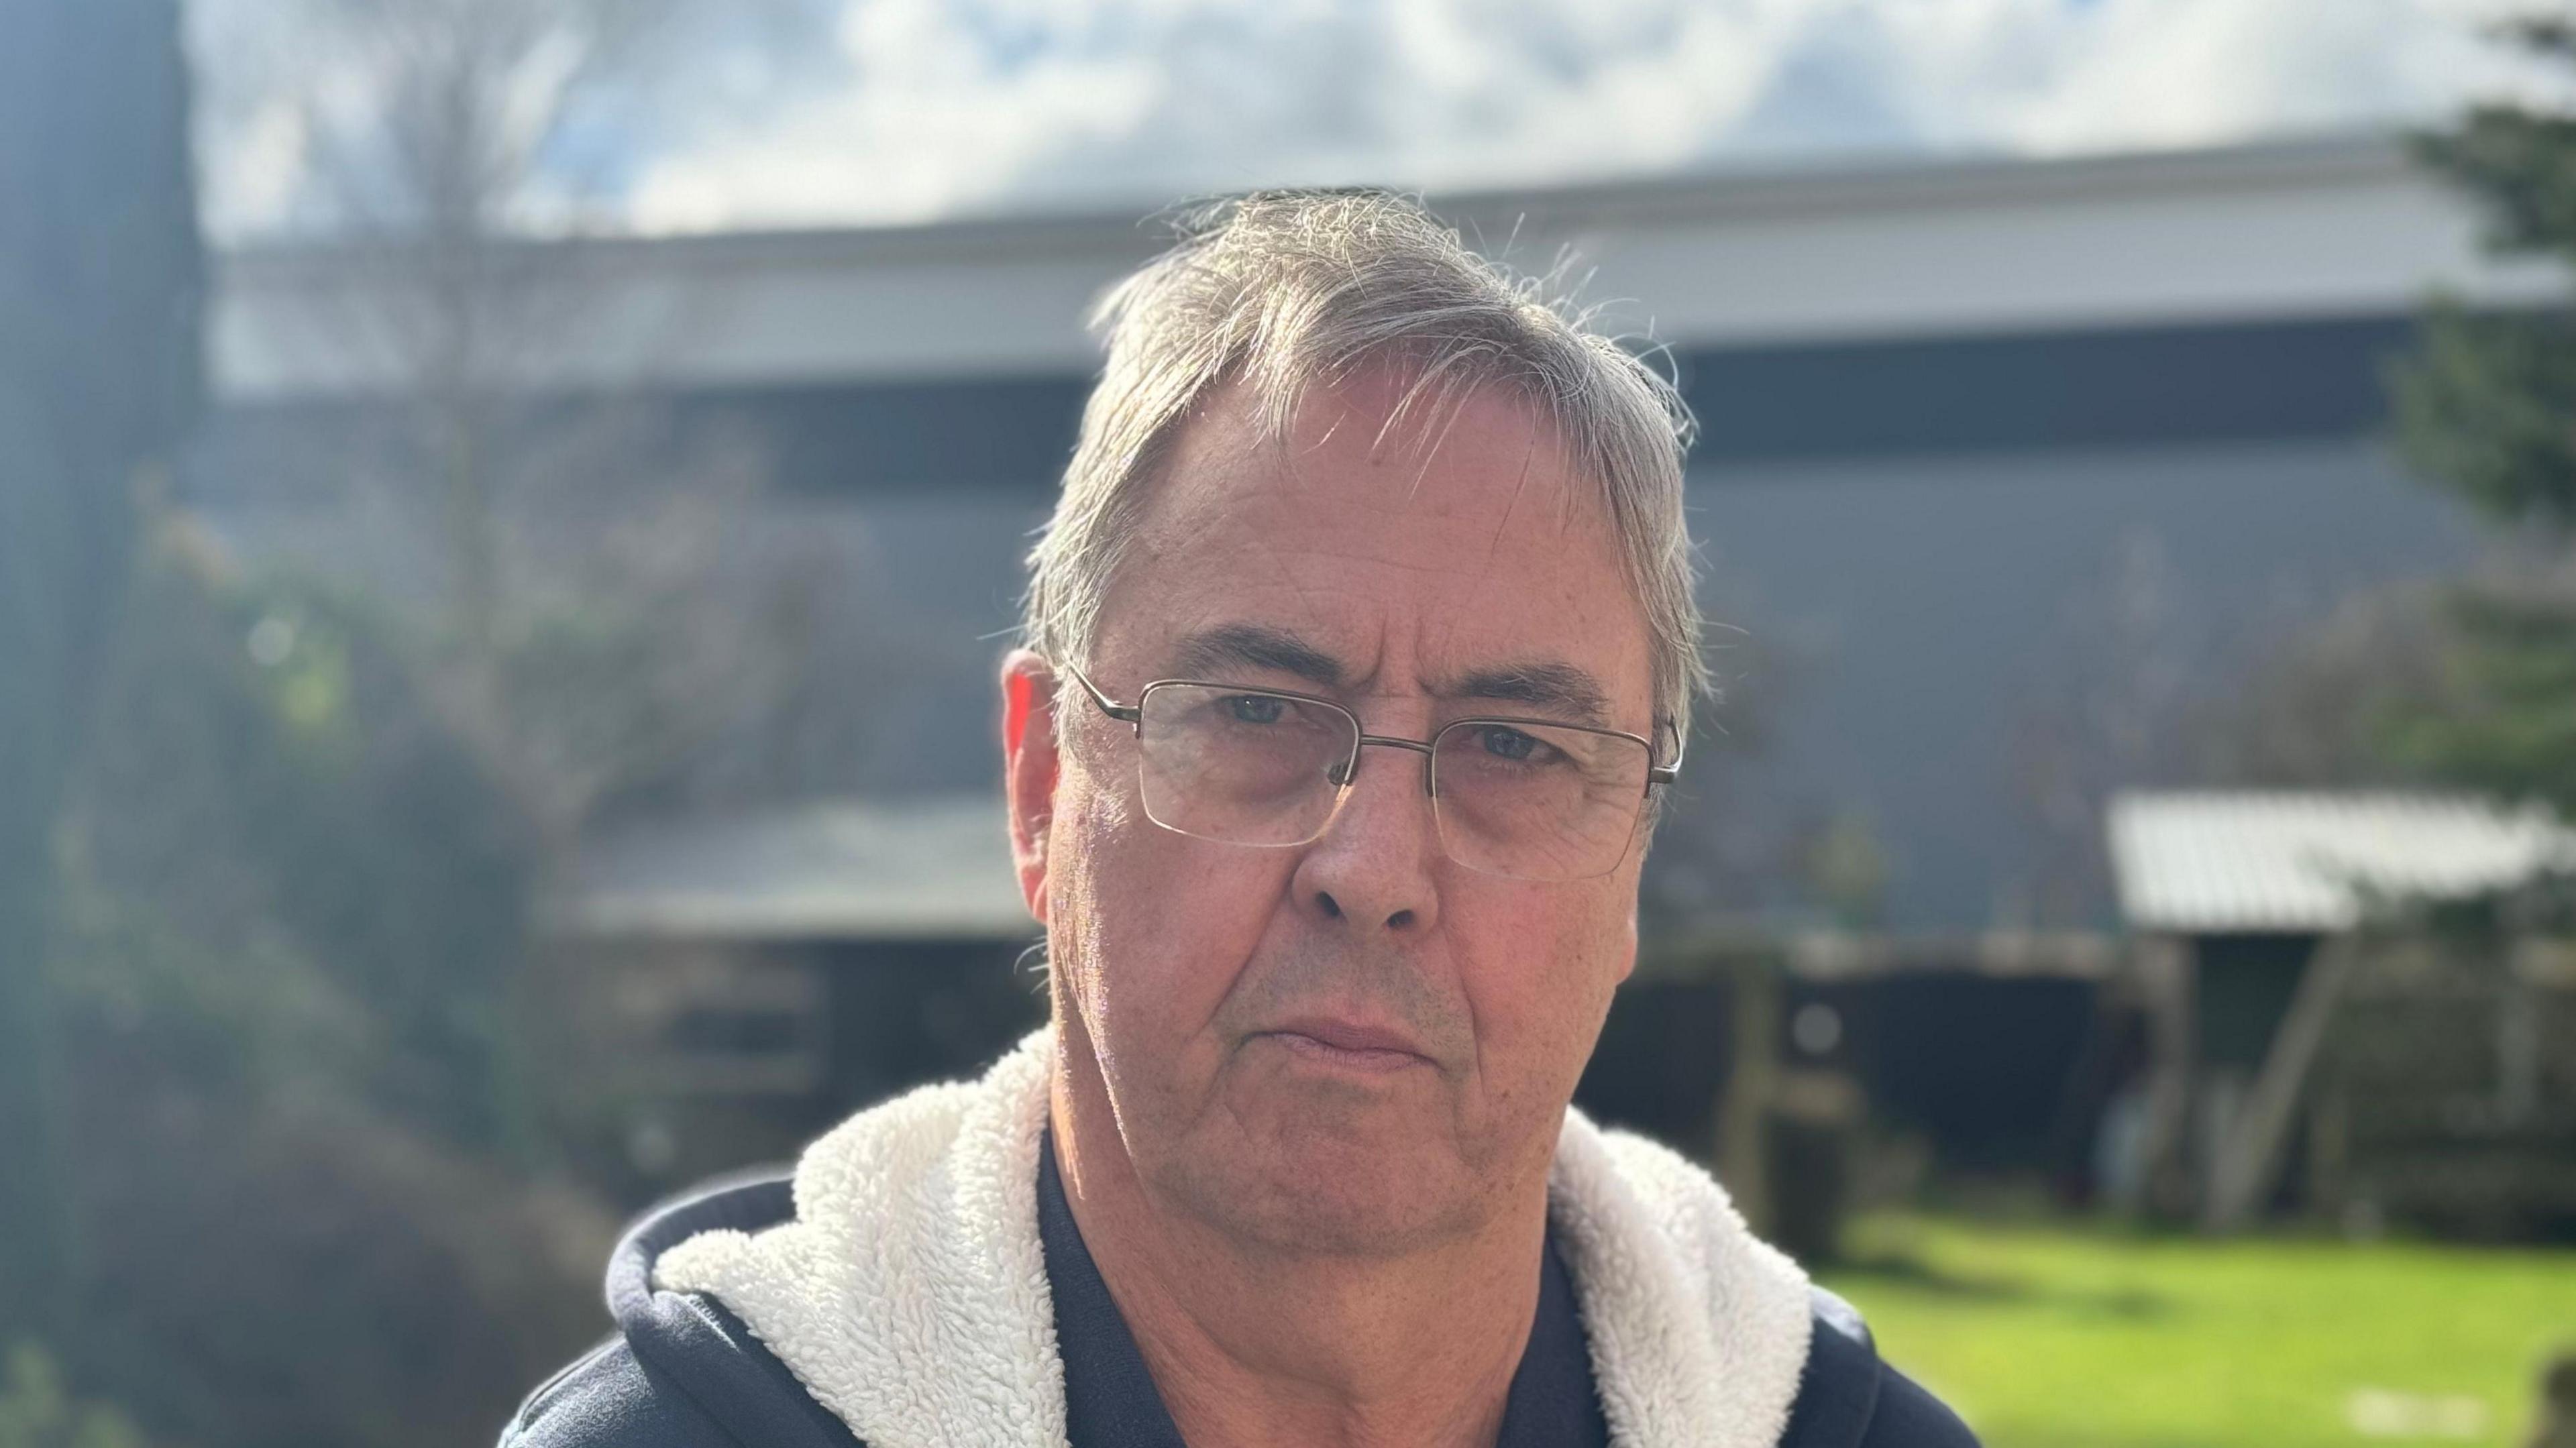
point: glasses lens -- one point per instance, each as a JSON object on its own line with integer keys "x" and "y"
{"x": 1537, "y": 802}
{"x": 1239, "y": 765}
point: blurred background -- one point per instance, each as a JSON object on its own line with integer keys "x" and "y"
{"x": 509, "y": 510}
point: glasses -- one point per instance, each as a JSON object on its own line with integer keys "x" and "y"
{"x": 1531, "y": 799}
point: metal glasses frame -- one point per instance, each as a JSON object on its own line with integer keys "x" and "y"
{"x": 1133, "y": 715}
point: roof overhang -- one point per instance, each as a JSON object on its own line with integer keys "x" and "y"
{"x": 835, "y": 870}
{"x": 2312, "y": 863}
{"x": 2340, "y": 226}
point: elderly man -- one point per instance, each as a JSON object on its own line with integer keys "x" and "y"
{"x": 1360, "y": 651}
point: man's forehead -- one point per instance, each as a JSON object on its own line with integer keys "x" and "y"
{"x": 1456, "y": 538}
{"x": 1466, "y": 486}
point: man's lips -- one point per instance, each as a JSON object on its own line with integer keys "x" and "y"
{"x": 1349, "y": 1043}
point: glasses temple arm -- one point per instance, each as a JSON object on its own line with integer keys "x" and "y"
{"x": 1124, "y": 713}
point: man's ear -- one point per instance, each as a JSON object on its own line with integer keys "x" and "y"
{"x": 1029, "y": 768}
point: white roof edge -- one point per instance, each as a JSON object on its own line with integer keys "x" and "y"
{"x": 2325, "y": 227}
{"x": 2275, "y": 861}
{"x": 1867, "y": 183}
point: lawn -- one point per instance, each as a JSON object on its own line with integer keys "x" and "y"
{"x": 2056, "y": 1336}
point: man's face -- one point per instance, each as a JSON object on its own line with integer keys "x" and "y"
{"x": 1210, "y": 981}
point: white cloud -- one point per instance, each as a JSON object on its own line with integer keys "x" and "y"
{"x": 2187, "y": 72}
{"x": 910, "y": 109}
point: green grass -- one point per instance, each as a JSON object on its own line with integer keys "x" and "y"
{"x": 2057, "y": 1336}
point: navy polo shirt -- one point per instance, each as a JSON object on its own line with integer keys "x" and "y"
{"x": 1111, "y": 1401}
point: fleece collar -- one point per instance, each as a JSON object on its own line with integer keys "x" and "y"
{"x": 909, "y": 1294}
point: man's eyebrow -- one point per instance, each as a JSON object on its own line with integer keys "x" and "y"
{"x": 1558, "y": 688}
{"x": 1258, "y": 646}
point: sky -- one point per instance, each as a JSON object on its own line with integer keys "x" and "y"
{"x": 775, "y": 113}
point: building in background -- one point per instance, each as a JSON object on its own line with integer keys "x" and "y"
{"x": 2005, "y": 467}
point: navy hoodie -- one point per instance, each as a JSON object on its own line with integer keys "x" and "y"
{"x": 683, "y": 1372}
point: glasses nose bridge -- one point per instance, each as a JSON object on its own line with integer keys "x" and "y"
{"x": 1422, "y": 747}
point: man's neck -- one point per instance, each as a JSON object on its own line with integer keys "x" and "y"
{"x": 1251, "y": 1348}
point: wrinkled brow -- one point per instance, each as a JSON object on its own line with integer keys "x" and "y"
{"x": 1258, "y": 646}
{"x": 1557, "y": 689}
{"x": 1549, "y": 686}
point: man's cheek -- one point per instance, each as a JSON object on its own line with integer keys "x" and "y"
{"x": 1580, "y": 971}
{"x": 1179, "y": 933}
{"x": 1218, "y": 915}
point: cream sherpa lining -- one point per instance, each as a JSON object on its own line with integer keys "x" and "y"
{"x": 910, "y": 1296}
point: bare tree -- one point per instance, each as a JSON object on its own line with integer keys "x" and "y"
{"x": 578, "y": 630}
{"x": 1708, "y": 862}
{"x": 570, "y": 560}
{"x": 2106, "y": 717}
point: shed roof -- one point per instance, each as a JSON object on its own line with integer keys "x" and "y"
{"x": 2203, "y": 863}
{"x": 937, "y": 868}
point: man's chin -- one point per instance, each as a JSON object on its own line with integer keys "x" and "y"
{"x": 1330, "y": 1183}
{"x": 1325, "y": 1124}
{"x": 1339, "y": 1219}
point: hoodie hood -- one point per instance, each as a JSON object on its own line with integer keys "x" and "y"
{"x": 898, "y": 1279}
{"x": 682, "y": 1369}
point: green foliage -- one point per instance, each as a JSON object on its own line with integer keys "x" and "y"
{"x": 37, "y": 1412}
{"x": 2522, "y": 164}
{"x": 2510, "y": 725}
{"x": 293, "y": 915}
{"x": 2486, "y": 410}
{"x": 279, "y": 866}
{"x": 267, "y": 842}
{"x": 2518, "y": 162}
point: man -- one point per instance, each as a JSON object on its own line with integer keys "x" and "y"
{"x": 1359, "y": 652}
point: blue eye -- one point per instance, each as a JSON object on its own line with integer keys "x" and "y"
{"x": 1255, "y": 708}
{"x": 1509, "y": 744}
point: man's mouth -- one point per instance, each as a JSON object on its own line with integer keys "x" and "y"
{"x": 1349, "y": 1044}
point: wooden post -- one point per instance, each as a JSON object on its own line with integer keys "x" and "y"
{"x": 2164, "y": 966}
{"x": 2249, "y": 1156}
{"x": 1752, "y": 1079}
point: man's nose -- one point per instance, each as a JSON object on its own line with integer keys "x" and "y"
{"x": 1376, "y": 862}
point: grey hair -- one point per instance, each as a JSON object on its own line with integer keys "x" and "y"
{"x": 1291, "y": 290}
